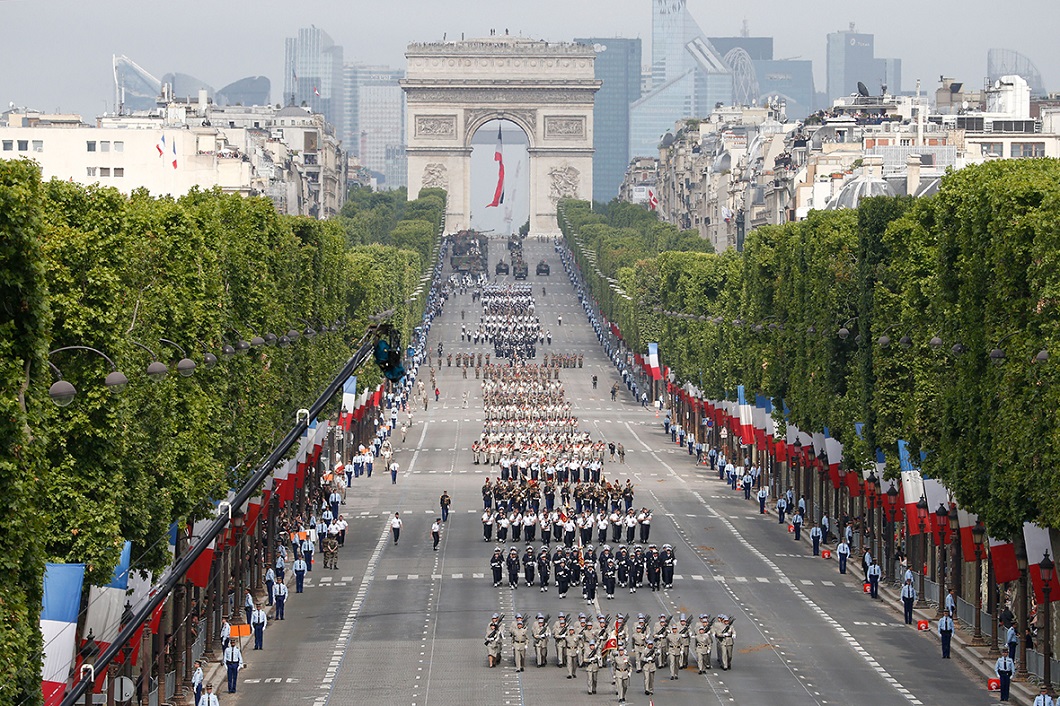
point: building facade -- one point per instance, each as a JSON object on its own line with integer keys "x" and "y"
{"x": 289, "y": 155}
{"x": 375, "y": 122}
{"x": 313, "y": 75}
{"x": 618, "y": 68}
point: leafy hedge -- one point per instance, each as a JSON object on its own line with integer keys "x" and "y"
{"x": 87, "y": 266}
{"x": 977, "y": 265}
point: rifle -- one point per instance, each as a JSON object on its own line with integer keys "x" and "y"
{"x": 666, "y": 626}
{"x": 489, "y": 638}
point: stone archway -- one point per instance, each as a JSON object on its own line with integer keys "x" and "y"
{"x": 453, "y": 88}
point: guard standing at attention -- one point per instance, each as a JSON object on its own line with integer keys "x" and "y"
{"x": 946, "y": 633}
{"x": 520, "y": 637}
{"x": 234, "y": 662}
{"x": 1004, "y": 668}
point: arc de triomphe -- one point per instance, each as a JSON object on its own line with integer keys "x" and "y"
{"x": 547, "y": 89}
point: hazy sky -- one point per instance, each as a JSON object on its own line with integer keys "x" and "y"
{"x": 56, "y": 53}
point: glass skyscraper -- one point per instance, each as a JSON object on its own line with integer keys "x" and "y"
{"x": 688, "y": 77}
{"x": 618, "y": 67}
{"x": 313, "y": 75}
{"x": 375, "y": 120}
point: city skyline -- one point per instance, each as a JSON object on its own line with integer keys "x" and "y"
{"x": 254, "y": 43}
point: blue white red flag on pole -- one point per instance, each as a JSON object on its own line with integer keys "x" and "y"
{"x": 58, "y": 625}
{"x": 105, "y": 606}
{"x": 498, "y": 157}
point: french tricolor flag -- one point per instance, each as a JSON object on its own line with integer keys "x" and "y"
{"x": 58, "y": 625}
{"x": 349, "y": 402}
{"x": 161, "y": 146}
{"x": 653, "y": 361}
{"x": 912, "y": 490}
{"x": 834, "y": 450}
{"x": 1038, "y": 541}
{"x": 498, "y": 157}
{"x": 105, "y": 607}
{"x": 966, "y": 521}
{"x": 199, "y": 573}
{"x": 937, "y": 494}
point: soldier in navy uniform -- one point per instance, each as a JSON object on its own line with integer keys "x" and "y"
{"x": 652, "y": 567}
{"x": 544, "y": 563}
{"x": 512, "y": 563}
{"x": 529, "y": 564}
{"x": 636, "y": 570}
{"x": 667, "y": 561}
{"x": 609, "y": 573}
{"x": 496, "y": 565}
{"x": 589, "y": 583}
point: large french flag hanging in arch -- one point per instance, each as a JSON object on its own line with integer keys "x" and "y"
{"x": 498, "y": 157}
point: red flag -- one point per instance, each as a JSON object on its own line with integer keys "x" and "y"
{"x": 653, "y": 200}
{"x": 498, "y": 157}
{"x": 174, "y": 154}
{"x": 315, "y": 91}
{"x": 611, "y": 644}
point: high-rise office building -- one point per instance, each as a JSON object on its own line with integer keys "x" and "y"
{"x": 313, "y": 75}
{"x": 375, "y": 120}
{"x": 689, "y": 77}
{"x": 618, "y": 67}
{"x": 852, "y": 59}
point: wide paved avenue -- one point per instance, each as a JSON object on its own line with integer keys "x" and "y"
{"x": 404, "y": 624}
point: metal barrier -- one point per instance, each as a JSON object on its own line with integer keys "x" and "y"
{"x": 199, "y": 646}
{"x": 1036, "y": 664}
{"x": 171, "y": 684}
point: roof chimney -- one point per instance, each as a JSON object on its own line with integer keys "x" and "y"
{"x": 912, "y": 174}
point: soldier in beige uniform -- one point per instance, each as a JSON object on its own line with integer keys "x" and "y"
{"x": 685, "y": 633}
{"x": 520, "y": 638}
{"x": 673, "y": 648}
{"x": 559, "y": 634}
{"x": 703, "y": 645}
{"x": 662, "y": 642}
{"x": 540, "y": 634}
{"x": 623, "y": 668}
{"x": 726, "y": 637}
{"x": 639, "y": 641}
{"x": 573, "y": 651}
{"x": 591, "y": 661}
{"x": 649, "y": 667}
{"x": 493, "y": 641}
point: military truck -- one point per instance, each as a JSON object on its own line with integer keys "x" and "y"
{"x": 470, "y": 252}
{"x": 543, "y": 269}
{"x": 502, "y": 268}
{"x": 520, "y": 269}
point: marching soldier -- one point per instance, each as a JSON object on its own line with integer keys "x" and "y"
{"x": 649, "y": 667}
{"x": 662, "y": 645}
{"x": 559, "y": 634}
{"x": 496, "y": 565}
{"x": 685, "y": 641}
{"x": 541, "y": 634}
{"x": 702, "y": 642}
{"x": 544, "y": 563}
{"x": 513, "y": 568}
{"x": 520, "y": 637}
{"x": 623, "y": 668}
{"x": 726, "y": 637}
{"x": 529, "y": 564}
{"x": 331, "y": 552}
{"x": 591, "y": 662}
{"x": 639, "y": 645}
{"x": 673, "y": 651}
{"x": 667, "y": 562}
{"x": 573, "y": 651}
{"x": 493, "y": 641}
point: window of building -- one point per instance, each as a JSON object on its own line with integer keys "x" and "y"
{"x": 104, "y": 146}
{"x": 119, "y": 146}
{"x": 38, "y": 145}
{"x": 104, "y": 171}
{"x": 1028, "y": 149}
{"x": 119, "y": 171}
{"x": 90, "y": 146}
{"x": 993, "y": 148}
{"x": 91, "y": 171}
{"x": 9, "y": 145}
{"x": 23, "y": 145}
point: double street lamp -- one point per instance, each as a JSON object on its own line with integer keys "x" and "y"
{"x": 942, "y": 520}
{"x": 1047, "y": 569}
{"x": 922, "y": 515}
{"x": 978, "y": 536}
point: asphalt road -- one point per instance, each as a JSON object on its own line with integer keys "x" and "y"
{"x": 402, "y": 624}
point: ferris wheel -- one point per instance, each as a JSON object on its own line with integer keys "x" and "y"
{"x": 744, "y": 77}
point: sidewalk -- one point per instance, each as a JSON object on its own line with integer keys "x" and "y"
{"x": 977, "y": 658}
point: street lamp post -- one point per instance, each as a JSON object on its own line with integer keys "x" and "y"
{"x": 870, "y": 505}
{"x": 1021, "y": 610}
{"x": 921, "y": 514}
{"x": 942, "y": 519}
{"x": 1047, "y": 567}
{"x": 978, "y": 535}
{"x": 890, "y": 501}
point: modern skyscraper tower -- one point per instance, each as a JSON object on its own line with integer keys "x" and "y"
{"x": 313, "y": 75}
